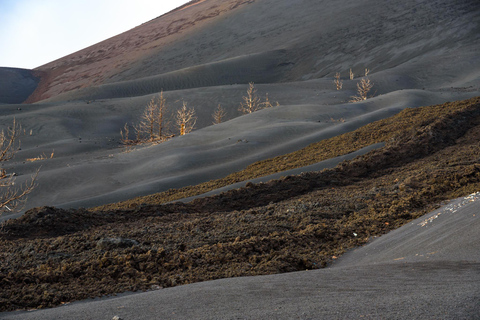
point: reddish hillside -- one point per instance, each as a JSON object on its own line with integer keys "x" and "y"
{"x": 98, "y": 63}
{"x": 215, "y": 42}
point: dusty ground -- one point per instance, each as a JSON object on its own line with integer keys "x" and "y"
{"x": 296, "y": 223}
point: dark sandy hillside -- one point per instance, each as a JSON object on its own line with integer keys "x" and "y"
{"x": 16, "y": 85}
{"x": 418, "y": 53}
{"x": 213, "y": 42}
{"x": 129, "y": 52}
{"x": 52, "y": 256}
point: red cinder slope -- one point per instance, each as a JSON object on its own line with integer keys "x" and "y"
{"x": 100, "y": 62}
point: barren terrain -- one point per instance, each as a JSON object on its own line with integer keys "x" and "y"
{"x": 424, "y": 54}
{"x": 283, "y": 189}
{"x": 295, "y": 223}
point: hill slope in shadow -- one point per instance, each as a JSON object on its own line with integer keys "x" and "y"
{"x": 16, "y": 85}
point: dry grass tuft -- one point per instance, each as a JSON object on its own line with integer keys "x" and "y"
{"x": 338, "y": 82}
{"x": 41, "y": 157}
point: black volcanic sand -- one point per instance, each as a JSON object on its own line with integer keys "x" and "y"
{"x": 51, "y": 256}
{"x": 366, "y": 136}
{"x": 16, "y": 85}
{"x": 419, "y": 53}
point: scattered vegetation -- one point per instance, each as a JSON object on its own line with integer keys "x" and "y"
{"x": 379, "y": 131}
{"x": 186, "y": 119}
{"x": 11, "y": 197}
{"x": 219, "y": 115}
{"x": 338, "y": 82}
{"x": 152, "y": 126}
{"x": 50, "y": 256}
{"x": 251, "y": 102}
{"x": 363, "y": 89}
{"x": 41, "y": 157}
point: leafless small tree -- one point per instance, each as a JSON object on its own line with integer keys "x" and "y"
{"x": 152, "y": 124}
{"x": 251, "y": 102}
{"x": 268, "y": 104}
{"x": 12, "y": 198}
{"x": 147, "y": 125}
{"x": 338, "y": 82}
{"x": 367, "y": 71}
{"x": 363, "y": 88}
{"x": 351, "y": 74}
{"x": 186, "y": 119}
{"x": 125, "y": 136}
{"x": 219, "y": 114}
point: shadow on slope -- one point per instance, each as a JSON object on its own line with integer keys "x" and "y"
{"x": 16, "y": 85}
{"x": 266, "y": 67}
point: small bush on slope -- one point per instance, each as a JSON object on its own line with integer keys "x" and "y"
{"x": 363, "y": 89}
{"x": 251, "y": 102}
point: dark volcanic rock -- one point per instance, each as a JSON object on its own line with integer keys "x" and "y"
{"x": 111, "y": 243}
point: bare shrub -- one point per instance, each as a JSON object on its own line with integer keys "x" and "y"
{"x": 363, "y": 88}
{"x": 125, "y": 136}
{"x": 342, "y": 120}
{"x": 12, "y": 198}
{"x": 351, "y": 74}
{"x": 41, "y": 157}
{"x": 186, "y": 119}
{"x": 152, "y": 126}
{"x": 268, "y": 104}
{"x": 147, "y": 125}
{"x": 219, "y": 114}
{"x": 367, "y": 71}
{"x": 338, "y": 82}
{"x": 251, "y": 102}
